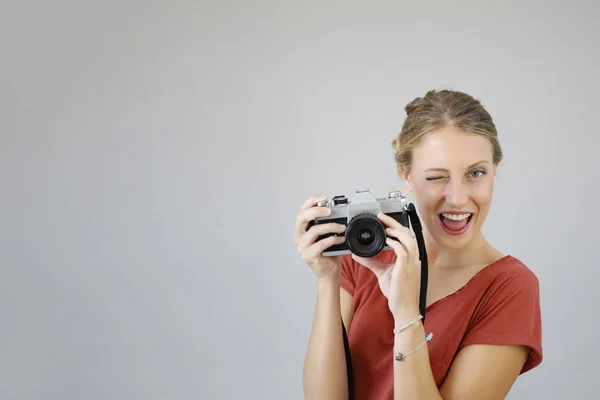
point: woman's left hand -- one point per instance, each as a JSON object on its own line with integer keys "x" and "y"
{"x": 399, "y": 282}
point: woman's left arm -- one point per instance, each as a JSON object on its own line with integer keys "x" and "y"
{"x": 479, "y": 371}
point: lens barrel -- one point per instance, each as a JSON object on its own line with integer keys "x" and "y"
{"x": 365, "y": 235}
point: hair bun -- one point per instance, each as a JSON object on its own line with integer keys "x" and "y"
{"x": 396, "y": 144}
{"x": 438, "y": 108}
{"x": 410, "y": 107}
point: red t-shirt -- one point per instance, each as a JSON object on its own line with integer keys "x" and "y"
{"x": 499, "y": 305}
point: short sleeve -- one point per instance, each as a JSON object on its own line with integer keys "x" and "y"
{"x": 510, "y": 314}
{"x": 348, "y": 274}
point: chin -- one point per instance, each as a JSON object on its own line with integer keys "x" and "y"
{"x": 453, "y": 242}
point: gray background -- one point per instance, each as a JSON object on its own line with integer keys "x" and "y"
{"x": 153, "y": 156}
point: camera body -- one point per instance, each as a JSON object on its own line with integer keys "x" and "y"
{"x": 365, "y": 234}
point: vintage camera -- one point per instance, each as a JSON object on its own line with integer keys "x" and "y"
{"x": 365, "y": 233}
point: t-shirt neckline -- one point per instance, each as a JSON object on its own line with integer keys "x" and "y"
{"x": 469, "y": 282}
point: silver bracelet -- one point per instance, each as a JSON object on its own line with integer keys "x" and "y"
{"x": 403, "y": 328}
{"x": 400, "y": 356}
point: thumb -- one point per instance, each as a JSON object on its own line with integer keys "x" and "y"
{"x": 371, "y": 263}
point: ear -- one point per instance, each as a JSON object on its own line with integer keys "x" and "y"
{"x": 405, "y": 173}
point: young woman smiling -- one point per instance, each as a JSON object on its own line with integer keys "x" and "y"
{"x": 482, "y": 306}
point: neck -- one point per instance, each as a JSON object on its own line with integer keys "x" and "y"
{"x": 477, "y": 251}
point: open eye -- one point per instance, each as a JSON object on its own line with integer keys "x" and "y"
{"x": 477, "y": 173}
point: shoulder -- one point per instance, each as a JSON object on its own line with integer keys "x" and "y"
{"x": 510, "y": 266}
{"x": 508, "y": 276}
{"x": 505, "y": 285}
{"x": 508, "y": 311}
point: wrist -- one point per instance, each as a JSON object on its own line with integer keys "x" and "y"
{"x": 405, "y": 314}
{"x": 335, "y": 275}
{"x": 328, "y": 289}
{"x": 329, "y": 280}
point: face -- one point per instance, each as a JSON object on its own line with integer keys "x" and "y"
{"x": 452, "y": 179}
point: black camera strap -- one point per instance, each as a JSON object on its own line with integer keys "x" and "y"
{"x": 349, "y": 371}
{"x": 418, "y": 229}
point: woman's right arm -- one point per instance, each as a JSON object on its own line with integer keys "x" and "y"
{"x": 325, "y": 374}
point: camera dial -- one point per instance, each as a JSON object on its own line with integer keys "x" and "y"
{"x": 337, "y": 200}
{"x": 323, "y": 203}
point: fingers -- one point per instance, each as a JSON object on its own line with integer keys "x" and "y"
{"x": 407, "y": 244}
{"x": 371, "y": 263}
{"x": 398, "y": 248}
{"x": 390, "y": 222}
{"x": 311, "y": 201}
{"x": 306, "y": 239}
{"x": 307, "y": 214}
{"x": 313, "y": 253}
{"x": 406, "y": 241}
{"x": 315, "y": 231}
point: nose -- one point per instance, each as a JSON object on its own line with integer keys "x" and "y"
{"x": 457, "y": 193}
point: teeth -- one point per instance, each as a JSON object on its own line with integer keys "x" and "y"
{"x": 456, "y": 217}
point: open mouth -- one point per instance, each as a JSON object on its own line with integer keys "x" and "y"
{"x": 455, "y": 223}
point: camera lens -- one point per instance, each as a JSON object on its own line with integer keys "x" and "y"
{"x": 365, "y": 235}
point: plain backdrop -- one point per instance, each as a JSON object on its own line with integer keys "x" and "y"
{"x": 153, "y": 156}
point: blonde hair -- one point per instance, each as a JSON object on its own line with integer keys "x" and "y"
{"x": 438, "y": 109}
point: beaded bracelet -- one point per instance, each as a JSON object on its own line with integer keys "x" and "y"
{"x": 403, "y": 328}
{"x": 400, "y": 356}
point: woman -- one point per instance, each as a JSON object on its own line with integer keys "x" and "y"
{"x": 482, "y": 306}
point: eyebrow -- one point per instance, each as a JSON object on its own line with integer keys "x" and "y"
{"x": 469, "y": 167}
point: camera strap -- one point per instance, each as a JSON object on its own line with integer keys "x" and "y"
{"x": 418, "y": 230}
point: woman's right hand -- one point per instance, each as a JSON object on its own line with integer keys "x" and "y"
{"x": 305, "y": 240}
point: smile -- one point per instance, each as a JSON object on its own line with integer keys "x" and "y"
{"x": 455, "y": 223}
